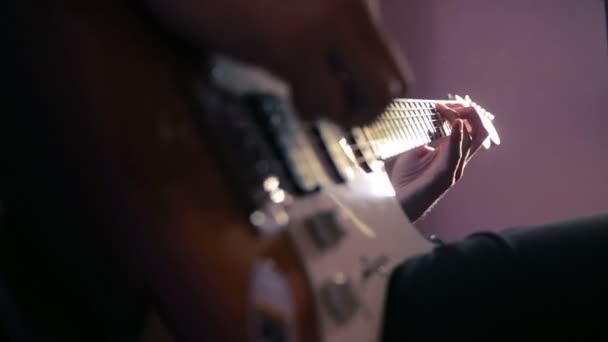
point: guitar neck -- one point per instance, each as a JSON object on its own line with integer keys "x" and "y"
{"x": 405, "y": 124}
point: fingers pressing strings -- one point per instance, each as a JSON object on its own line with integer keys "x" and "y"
{"x": 476, "y": 128}
{"x": 473, "y": 124}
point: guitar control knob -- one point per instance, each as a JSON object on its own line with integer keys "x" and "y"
{"x": 339, "y": 298}
{"x": 324, "y": 229}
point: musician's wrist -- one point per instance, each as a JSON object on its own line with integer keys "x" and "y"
{"x": 414, "y": 206}
{"x": 417, "y": 203}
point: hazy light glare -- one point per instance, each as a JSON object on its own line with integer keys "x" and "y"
{"x": 271, "y": 184}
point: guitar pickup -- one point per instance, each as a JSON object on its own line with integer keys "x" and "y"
{"x": 289, "y": 141}
{"x": 338, "y": 150}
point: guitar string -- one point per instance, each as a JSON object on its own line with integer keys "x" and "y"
{"x": 382, "y": 141}
{"x": 398, "y": 123}
{"x": 418, "y": 127}
{"x": 397, "y": 134}
{"x": 404, "y": 122}
{"x": 379, "y": 145}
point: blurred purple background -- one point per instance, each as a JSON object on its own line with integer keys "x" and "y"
{"x": 542, "y": 68}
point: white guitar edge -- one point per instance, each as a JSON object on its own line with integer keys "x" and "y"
{"x": 384, "y": 244}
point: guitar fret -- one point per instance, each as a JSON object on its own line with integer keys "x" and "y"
{"x": 402, "y": 127}
{"x": 416, "y": 120}
{"x": 427, "y": 122}
{"x": 404, "y": 124}
{"x": 412, "y": 142}
{"x": 400, "y": 137}
{"x": 430, "y": 129}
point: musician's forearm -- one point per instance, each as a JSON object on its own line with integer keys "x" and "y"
{"x": 415, "y": 208}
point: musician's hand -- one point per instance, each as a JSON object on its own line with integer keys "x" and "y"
{"x": 422, "y": 175}
{"x": 334, "y": 53}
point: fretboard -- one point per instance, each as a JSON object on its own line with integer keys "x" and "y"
{"x": 405, "y": 124}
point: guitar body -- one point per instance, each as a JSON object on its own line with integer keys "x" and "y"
{"x": 211, "y": 211}
{"x": 320, "y": 213}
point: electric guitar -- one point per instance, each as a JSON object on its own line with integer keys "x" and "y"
{"x": 323, "y": 190}
{"x": 242, "y": 223}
